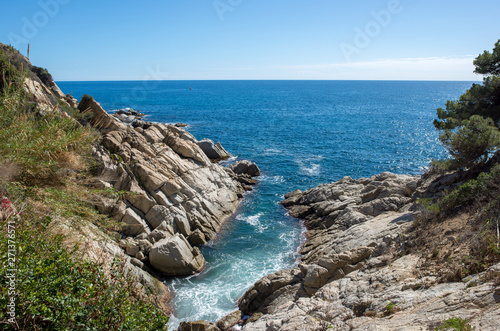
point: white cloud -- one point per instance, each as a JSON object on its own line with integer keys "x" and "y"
{"x": 429, "y": 68}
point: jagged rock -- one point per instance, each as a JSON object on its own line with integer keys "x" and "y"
{"x": 132, "y": 249}
{"x": 213, "y": 151}
{"x": 230, "y": 320}
{"x": 73, "y": 102}
{"x": 290, "y": 285}
{"x": 342, "y": 303}
{"x": 245, "y": 167}
{"x": 197, "y": 326}
{"x": 174, "y": 256}
{"x": 144, "y": 245}
{"x": 100, "y": 119}
{"x": 95, "y": 246}
{"x": 39, "y": 93}
{"x": 197, "y": 238}
{"x": 134, "y": 224}
{"x": 156, "y": 235}
{"x": 329, "y": 209}
{"x": 158, "y": 214}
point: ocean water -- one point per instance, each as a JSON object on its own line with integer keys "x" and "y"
{"x": 301, "y": 134}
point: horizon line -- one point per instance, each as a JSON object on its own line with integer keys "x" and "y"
{"x": 264, "y": 79}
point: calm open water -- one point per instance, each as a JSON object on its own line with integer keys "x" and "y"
{"x": 301, "y": 134}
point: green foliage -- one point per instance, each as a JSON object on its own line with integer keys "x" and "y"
{"x": 482, "y": 100}
{"x": 13, "y": 67}
{"x": 390, "y": 308}
{"x": 455, "y": 323}
{"x": 429, "y": 205}
{"x": 484, "y": 188}
{"x": 56, "y": 288}
{"x": 443, "y": 165}
{"x": 43, "y": 74}
{"x": 472, "y": 142}
{"x": 489, "y": 63}
{"x": 476, "y": 115}
{"x": 56, "y": 292}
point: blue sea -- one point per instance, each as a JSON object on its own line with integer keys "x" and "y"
{"x": 301, "y": 134}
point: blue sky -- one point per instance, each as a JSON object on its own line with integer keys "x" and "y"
{"x": 253, "y": 39}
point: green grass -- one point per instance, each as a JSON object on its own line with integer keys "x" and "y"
{"x": 455, "y": 323}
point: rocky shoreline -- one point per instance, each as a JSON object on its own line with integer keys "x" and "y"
{"x": 358, "y": 271}
{"x": 177, "y": 196}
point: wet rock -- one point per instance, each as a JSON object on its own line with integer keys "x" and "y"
{"x": 230, "y": 320}
{"x": 197, "y": 326}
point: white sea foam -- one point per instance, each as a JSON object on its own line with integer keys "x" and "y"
{"x": 312, "y": 169}
{"x": 272, "y": 179}
{"x": 228, "y": 162}
{"x": 253, "y": 220}
{"x": 272, "y": 151}
{"x": 310, "y": 166}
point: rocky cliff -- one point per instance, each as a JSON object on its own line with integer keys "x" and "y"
{"x": 176, "y": 199}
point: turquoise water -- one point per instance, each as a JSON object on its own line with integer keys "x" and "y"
{"x": 301, "y": 134}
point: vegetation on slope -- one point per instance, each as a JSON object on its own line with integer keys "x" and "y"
{"x": 460, "y": 231}
{"x": 44, "y": 165}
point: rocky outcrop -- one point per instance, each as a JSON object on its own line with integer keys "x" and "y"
{"x": 173, "y": 256}
{"x": 292, "y": 284}
{"x": 213, "y": 151}
{"x": 378, "y": 287}
{"x": 244, "y": 171}
{"x": 100, "y": 119}
{"x": 95, "y": 246}
{"x": 245, "y": 167}
{"x": 177, "y": 198}
{"x": 360, "y": 301}
{"x": 330, "y": 209}
{"x": 48, "y": 81}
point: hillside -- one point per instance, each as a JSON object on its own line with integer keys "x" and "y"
{"x": 125, "y": 199}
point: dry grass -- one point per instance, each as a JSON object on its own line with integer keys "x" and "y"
{"x": 460, "y": 237}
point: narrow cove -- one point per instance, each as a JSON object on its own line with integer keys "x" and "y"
{"x": 300, "y": 134}
{"x": 259, "y": 240}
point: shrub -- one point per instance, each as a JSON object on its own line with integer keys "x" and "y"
{"x": 482, "y": 188}
{"x": 390, "y": 308}
{"x": 54, "y": 291}
{"x": 472, "y": 142}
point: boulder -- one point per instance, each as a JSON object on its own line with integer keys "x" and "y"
{"x": 71, "y": 100}
{"x": 213, "y": 151}
{"x": 174, "y": 256}
{"x": 158, "y": 214}
{"x": 197, "y": 238}
{"x": 134, "y": 224}
{"x": 230, "y": 320}
{"x": 197, "y": 326}
{"x": 245, "y": 167}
